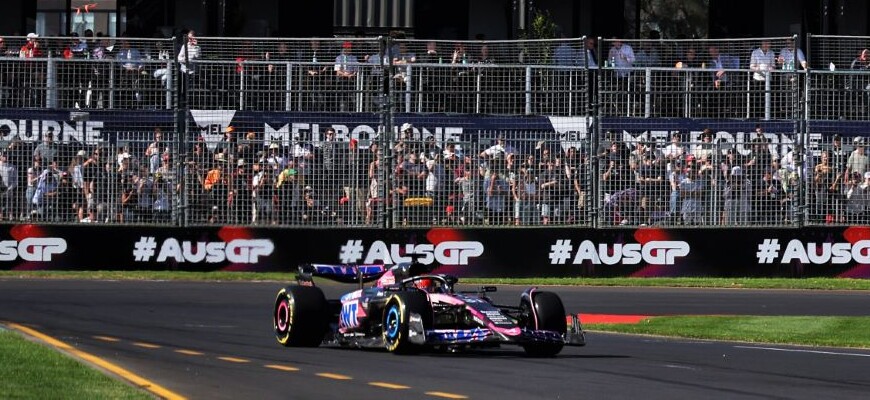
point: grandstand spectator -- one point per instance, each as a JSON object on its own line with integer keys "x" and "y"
{"x": 143, "y": 182}
{"x": 497, "y": 192}
{"x": 288, "y": 191}
{"x": 791, "y": 57}
{"x": 375, "y": 191}
{"x": 228, "y": 144}
{"x": 274, "y": 159}
{"x": 346, "y": 69}
{"x": 46, "y": 201}
{"x": 240, "y": 194}
{"x": 862, "y": 62}
{"x": 356, "y": 181}
{"x": 331, "y": 159}
{"x": 761, "y": 62}
{"x": 131, "y": 73}
{"x": 858, "y": 161}
{"x": 857, "y": 194}
{"x": 565, "y": 54}
{"x": 77, "y": 183}
{"x": 590, "y": 53}
{"x": 263, "y": 192}
{"x": 651, "y": 183}
{"x": 431, "y": 150}
{"x": 154, "y": 150}
{"x": 217, "y": 189}
{"x": 674, "y": 151}
{"x": 189, "y": 53}
{"x": 737, "y": 194}
{"x": 301, "y": 155}
{"x": 719, "y": 102}
{"x": 313, "y": 212}
{"x": 273, "y": 77}
{"x": 524, "y": 190}
{"x": 691, "y": 188}
{"x": 434, "y": 78}
{"x": 622, "y": 57}
{"x": 823, "y": 189}
{"x": 496, "y": 151}
{"x": 462, "y": 81}
{"x": 704, "y": 150}
{"x": 8, "y": 188}
{"x": 48, "y": 149}
{"x": 31, "y": 48}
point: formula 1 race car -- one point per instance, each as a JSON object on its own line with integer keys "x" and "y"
{"x": 408, "y": 309}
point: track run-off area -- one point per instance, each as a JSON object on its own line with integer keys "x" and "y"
{"x": 215, "y": 340}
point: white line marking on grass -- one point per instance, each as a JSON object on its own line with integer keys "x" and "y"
{"x": 833, "y": 353}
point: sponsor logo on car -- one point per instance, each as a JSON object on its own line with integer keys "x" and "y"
{"x": 348, "y": 317}
{"x": 459, "y": 335}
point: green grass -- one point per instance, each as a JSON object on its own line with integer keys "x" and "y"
{"x": 804, "y": 330}
{"x": 32, "y": 371}
{"x": 749, "y": 283}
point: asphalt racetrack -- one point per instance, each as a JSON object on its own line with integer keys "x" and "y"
{"x": 215, "y": 341}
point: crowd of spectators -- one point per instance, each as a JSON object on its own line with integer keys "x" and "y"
{"x": 467, "y": 76}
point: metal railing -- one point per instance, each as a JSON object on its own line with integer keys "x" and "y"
{"x": 533, "y": 177}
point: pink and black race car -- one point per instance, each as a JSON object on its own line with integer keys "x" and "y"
{"x": 408, "y": 309}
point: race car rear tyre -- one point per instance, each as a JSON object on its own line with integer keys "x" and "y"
{"x": 548, "y": 315}
{"x": 396, "y": 320}
{"x": 300, "y": 317}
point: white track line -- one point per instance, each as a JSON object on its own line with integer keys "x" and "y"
{"x": 833, "y": 353}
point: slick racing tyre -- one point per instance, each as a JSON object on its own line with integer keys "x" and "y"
{"x": 397, "y": 314}
{"x": 300, "y": 316}
{"x": 548, "y": 315}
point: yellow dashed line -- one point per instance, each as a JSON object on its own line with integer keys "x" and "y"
{"x": 146, "y": 345}
{"x": 447, "y": 395}
{"x": 123, "y": 373}
{"x": 389, "y": 385}
{"x": 107, "y": 339}
{"x": 234, "y": 359}
{"x": 188, "y": 352}
{"x": 334, "y": 376}
{"x": 281, "y": 367}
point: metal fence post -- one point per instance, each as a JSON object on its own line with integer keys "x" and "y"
{"x": 51, "y": 84}
{"x": 528, "y": 90}
{"x": 288, "y": 87}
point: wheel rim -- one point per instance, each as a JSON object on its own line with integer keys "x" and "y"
{"x": 282, "y": 316}
{"x": 392, "y": 322}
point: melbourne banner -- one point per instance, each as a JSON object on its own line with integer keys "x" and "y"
{"x": 98, "y": 126}
{"x": 527, "y": 252}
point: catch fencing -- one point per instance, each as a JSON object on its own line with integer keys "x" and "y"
{"x": 623, "y": 141}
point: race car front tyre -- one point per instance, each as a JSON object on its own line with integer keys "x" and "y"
{"x": 400, "y": 308}
{"x": 548, "y": 315}
{"x": 300, "y": 317}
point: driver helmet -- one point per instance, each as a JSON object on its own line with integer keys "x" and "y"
{"x": 425, "y": 284}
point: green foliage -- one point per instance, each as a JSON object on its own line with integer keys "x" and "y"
{"x": 541, "y": 26}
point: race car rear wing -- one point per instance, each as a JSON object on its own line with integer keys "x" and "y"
{"x": 344, "y": 273}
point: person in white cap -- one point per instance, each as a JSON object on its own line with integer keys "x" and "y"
{"x": 31, "y": 48}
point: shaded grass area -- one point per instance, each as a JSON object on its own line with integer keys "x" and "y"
{"x": 803, "y": 330}
{"x": 289, "y": 276}
{"x": 32, "y": 371}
